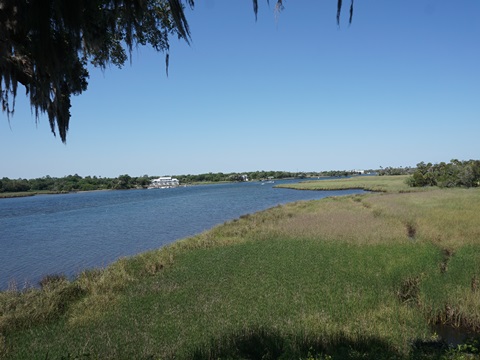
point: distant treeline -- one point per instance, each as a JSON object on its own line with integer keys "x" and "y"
{"x": 257, "y": 176}
{"x": 396, "y": 171}
{"x": 77, "y": 183}
{"x": 456, "y": 173}
{"x": 453, "y": 174}
{"x": 72, "y": 183}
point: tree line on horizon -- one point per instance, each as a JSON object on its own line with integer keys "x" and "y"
{"x": 88, "y": 183}
{"x": 456, "y": 173}
{"x": 72, "y": 183}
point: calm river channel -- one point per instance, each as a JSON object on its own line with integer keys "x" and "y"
{"x": 54, "y": 234}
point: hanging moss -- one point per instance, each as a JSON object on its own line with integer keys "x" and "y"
{"x": 46, "y": 45}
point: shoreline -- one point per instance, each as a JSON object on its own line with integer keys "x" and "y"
{"x": 380, "y": 272}
{"x": 10, "y": 195}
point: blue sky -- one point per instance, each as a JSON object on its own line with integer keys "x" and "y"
{"x": 293, "y": 92}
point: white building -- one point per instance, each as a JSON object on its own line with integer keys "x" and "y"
{"x": 164, "y": 182}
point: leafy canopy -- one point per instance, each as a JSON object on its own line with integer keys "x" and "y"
{"x": 456, "y": 173}
{"x": 46, "y": 45}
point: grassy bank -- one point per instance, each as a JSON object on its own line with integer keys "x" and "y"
{"x": 371, "y": 183}
{"x": 6, "y": 195}
{"x": 349, "y": 277}
{"x": 16, "y": 194}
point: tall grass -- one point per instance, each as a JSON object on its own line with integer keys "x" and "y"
{"x": 318, "y": 293}
{"x": 362, "y": 276}
{"x": 371, "y": 183}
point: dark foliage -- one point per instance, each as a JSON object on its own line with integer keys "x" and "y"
{"x": 454, "y": 174}
{"x": 389, "y": 170}
{"x": 46, "y": 45}
{"x": 73, "y": 183}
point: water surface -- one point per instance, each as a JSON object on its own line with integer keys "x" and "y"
{"x": 68, "y": 233}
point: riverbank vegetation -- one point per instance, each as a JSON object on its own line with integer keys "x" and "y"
{"x": 371, "y": 183}
{"x": 72, "y": 183}
{"x": 364, "y": 276}
{"x": 48, "y": 184}
{"x": 456, "y": 173}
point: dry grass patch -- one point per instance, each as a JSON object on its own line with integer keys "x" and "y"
{"x": 340, "y": 219}
{"x": 448, "y": 217}
{"x": 350, "y": 219}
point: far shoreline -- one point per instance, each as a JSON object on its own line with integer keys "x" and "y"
{"x": 35, "y": 193}
{"x": 20, "y": 194}
{"x": 10, "y": 195}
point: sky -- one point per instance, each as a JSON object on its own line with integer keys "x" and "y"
{"x": 288, "y": 92}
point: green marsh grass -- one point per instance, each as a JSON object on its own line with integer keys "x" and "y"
{"x": 4, "y": 195}
{"x": 361, "y": 276}
{"x": 371, "y": 183}
{"x": 16, "y": 194}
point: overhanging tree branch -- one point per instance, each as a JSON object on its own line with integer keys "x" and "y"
{"x": 46, "y": 45}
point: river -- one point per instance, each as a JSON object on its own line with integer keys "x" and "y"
{"x": 53, "y": 234}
